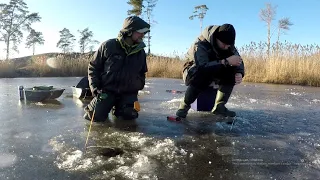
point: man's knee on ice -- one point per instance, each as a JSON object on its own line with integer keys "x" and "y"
{"x": 98, "y": 108}
{"x": 96, "y": 115}
{"x": 127, "y": 112}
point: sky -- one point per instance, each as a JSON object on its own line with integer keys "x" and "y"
{"x": 172, "y": 31}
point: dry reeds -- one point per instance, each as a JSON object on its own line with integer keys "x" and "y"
{"x": 287, "y": 64}
{"x": 7, "y": 69}
{"x": 164, "y": 67}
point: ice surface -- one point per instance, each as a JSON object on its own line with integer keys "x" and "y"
{"x": 275, "y": 124}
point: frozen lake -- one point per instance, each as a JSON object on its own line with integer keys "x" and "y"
{"x": 275, "y": 136}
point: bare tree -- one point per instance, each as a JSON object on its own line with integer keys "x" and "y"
{"x": 141, "y": 8}
{"x": 137, "y": 6}
{"x": 34, "y": 38}
{"x": 85, "y": 40}
{"x": 91, "y": 47}
{"x": 2, "y": 13}
{"x": 150, "y": 4}
{"x": 267, "y": 15}
{"x": 14, "y": 18}
{"x": 66, "y": 40}
{"x": 283, "y": 24}
{"x": 199, "y": 12}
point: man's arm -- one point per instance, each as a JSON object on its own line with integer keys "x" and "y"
{"x": 95, "y": 69}
{"x": 144, "y": 69}
{"x": 201, "y": 57}
{"x": 241, "y": 68}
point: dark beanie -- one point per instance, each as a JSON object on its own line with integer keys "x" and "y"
{"x": 226, "y": 34}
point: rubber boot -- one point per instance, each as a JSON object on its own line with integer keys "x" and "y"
{"x": 191, "y": 95}
{"x": 222, "y": 97}
{"x": 183, "y": 110}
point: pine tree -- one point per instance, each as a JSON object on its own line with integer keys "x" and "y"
{"x": 34, "y": 38}
{"x": 14, "y": 18}
{"x": 85, "y": 40}
{"x": 199, "y": 12}
{"x": 66, "y": 40}
{"x": 137, "y": 6}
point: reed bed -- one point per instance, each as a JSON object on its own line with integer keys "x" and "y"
{"x": 287, "y": 63}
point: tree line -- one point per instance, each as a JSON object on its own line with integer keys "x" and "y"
{"x": 15, "y": 18}
{"x": 67, "y": 40}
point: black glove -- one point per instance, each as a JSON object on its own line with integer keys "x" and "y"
{"x": 96, "y": 92}
{"x": 95, "y": 89}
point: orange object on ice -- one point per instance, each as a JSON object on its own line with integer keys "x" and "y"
{"x": 136, "y": 106}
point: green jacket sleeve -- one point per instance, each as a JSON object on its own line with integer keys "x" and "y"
{"x": 95, "y": 68}
{"x": 202, "y": 57}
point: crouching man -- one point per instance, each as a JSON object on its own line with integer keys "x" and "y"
{"x": 117, "y": 72}
{"x": 212, "y": 58}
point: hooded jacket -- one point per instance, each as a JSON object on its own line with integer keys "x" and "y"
{"x": 205, "y": 52}
{"x": 117, "y": 66}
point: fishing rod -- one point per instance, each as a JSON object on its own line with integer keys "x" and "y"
{"x": 85, "y": 145}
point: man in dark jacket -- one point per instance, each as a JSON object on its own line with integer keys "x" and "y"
{"x": 117, "y": 72}
{"x": 212, "y": 58}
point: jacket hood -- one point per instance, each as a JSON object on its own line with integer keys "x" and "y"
{"x": 130, "y": 25}
{"x": 208, "y": 34}
{"x": 134, "y": 23}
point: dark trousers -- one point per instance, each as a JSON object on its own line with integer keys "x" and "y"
{"x": 206, "y": 75}
{"x": 201, "y": 80}
{"x": 123, "y": 104}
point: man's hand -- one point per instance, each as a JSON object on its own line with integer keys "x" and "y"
{"x": 238, "y": 78}
{"x": 234, "y": 60}
{"x": 97, "y": 92}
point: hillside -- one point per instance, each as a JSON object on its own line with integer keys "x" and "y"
{"x": 76, "y": 64}
{"x": 23, "y": 61}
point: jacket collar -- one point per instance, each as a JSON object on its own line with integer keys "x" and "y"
{"x": 130, "y": 49}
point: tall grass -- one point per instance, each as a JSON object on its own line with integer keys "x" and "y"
{"x": 7, "y": 69}
{"x": 164, "y": 67}
{"x": 287, "y": 64}
{"x": 59, "y": 66}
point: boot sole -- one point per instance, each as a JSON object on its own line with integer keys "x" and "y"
{"x": 175, "y": 118}
{"x": 223, "y": 118}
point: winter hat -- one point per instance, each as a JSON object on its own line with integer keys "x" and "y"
{"x": 134, "y": 23}
{"x": 226, "y": 34}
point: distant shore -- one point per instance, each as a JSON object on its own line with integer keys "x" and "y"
{"x": 290, "y": 64}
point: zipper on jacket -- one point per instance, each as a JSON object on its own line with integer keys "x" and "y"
{"x": 119, "y": 72}
{"x": 125, "y": 62}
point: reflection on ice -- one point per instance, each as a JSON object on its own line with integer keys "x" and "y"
{"x": 23, "y": 135}
{"x": 174, "y": 100}
{"x": 252, "y": 100}
{"x": 316, "y": 161}
{"x": 315, "y": 100}
{"x": 7, "y": 159}
{"x": 295, "y": 94}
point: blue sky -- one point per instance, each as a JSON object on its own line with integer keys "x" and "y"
{"x": 173, "y": 32}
